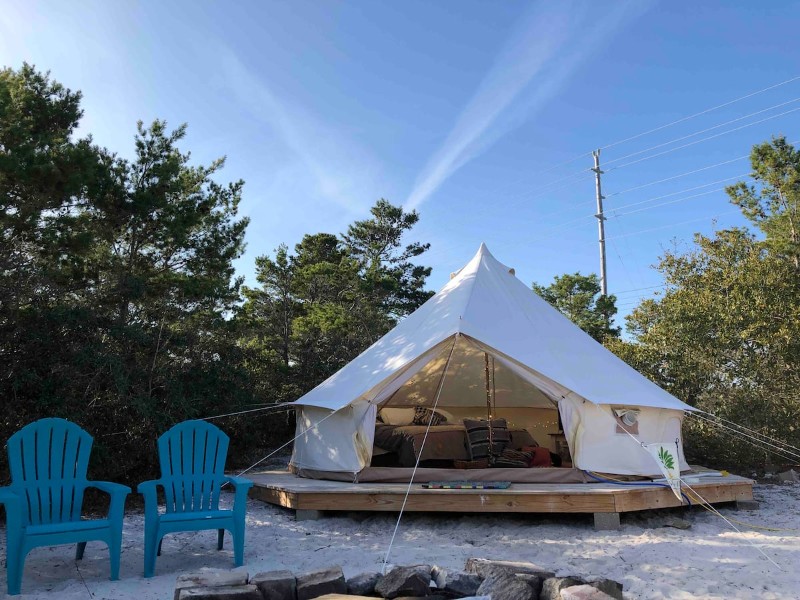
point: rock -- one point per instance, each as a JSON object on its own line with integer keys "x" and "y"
{"x": 405, "y": 581}
{"x": 484, "y": 568}
{"x": 506, "y": 586}
{"x": 319, "y": 583}
{"x": 224, "y": 592}
{"x": 583, "y": 592}
{"x": 439, "y": 576}
{"x": 434, "y": 597}
{"x": 659, "y": 521}
{"x": 362, "y": 584}
{"x": 462, "y": 584}
{"x": 677, "y": 523}
{"x": 609, "y": 586}
{"x": 534, "y": 581}
{"x": 209, "y": 578}
{"x": 551, "y": 589}
{"x": 455, "y": 584}
{"x": 276, "y": 585}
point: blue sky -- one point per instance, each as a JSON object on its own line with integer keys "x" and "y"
{"x": 463, "y": 110}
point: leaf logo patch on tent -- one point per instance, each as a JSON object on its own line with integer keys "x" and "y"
{"x": 666, "y": 455}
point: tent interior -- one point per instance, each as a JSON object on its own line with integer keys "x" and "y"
{"x": 465, "y": 381}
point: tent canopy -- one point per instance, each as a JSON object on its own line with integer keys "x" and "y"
{"x": 540, "y": 356}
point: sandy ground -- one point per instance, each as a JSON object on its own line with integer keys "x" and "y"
{"x": 710, "y": 560}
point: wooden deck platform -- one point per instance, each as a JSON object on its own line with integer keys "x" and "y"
{"x": 309, "y": 497}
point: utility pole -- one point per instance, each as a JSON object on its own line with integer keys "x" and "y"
{"x": 601, "y": 229}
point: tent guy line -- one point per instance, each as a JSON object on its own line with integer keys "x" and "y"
{"x": 698, "y": 497}
{"x": 762, "y": 444}
{"x": 724, "y": 420}
{"x": 422, "y": 447}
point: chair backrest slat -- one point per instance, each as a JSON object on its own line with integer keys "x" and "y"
{"x": 48, "y": 460}
{"x": 192, "y": 457}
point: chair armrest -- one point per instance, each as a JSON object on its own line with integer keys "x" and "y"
{"x": 110, "y": 488}
{"x": 149, "y": 489}
{"x": 240, "y": 487}
{"x": 238, "y": 482}
{"x": 118, "y": 493}
{"x": 13, "y": 504}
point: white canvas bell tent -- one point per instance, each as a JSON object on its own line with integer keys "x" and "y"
{"x": 436, "y": 356}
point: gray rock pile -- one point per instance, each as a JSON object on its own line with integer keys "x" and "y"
{"x": 481, "y": 580}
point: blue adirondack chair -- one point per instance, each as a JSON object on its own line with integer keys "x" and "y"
{"x": 48, "y": 460}
{"x": 192, "y": 457}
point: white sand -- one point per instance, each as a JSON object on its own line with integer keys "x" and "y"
{"x": 709, "y": 560}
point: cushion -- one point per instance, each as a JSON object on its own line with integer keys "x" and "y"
{"x": 424, "y": 415}
{"x": 514, "y": 459}
{"x": 478, "y": 437}
{"x": 397, "y": 416}
{"x": 520, "y": 438}
{"x": 541, "y": 457}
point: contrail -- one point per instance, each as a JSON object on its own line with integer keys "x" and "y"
{"x": 549, "y": 43}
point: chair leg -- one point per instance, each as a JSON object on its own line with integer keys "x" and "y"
{"x": 220, "y": 538}
{"x": 238, "y": 543}
{"x": 114, "y": 553}
{"x": 15, "y": 564}
{"x": 151, "y": 543}
{"x": 79, "y": 550}
{"x": 161, "y": 541}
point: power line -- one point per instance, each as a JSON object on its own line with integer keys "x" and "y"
{"x": 622, "y": 262}
{"x": 702, "y": 112}
{"x": 691, "y": 189}
{"x": 758, "y": 112}
{"x": 673, "y": 225}
{"x": 649, "y": 287}
{"x": 651, "y": 183}
{"x": 687, "y": 173}
{"x": 638, "y": 210}
{"x": 681, "y": 120}
{"x": 615, "y": 214}
{"x": 705, "y": 139}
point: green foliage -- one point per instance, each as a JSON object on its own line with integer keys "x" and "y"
{"x": 116, "y": 280}
{"x": 578, "y": 298}
{"x": 773, "y": 203}
{"x": 316, "y": 309}
{"x": 725, "y": 335}
{"x": 390, "y": 280}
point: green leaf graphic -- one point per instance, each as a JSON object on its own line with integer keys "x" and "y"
{"x": 666, "y": 458}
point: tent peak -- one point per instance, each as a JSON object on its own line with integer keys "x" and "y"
{"x": 481, "y": 256}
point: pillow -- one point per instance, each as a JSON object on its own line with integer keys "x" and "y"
{"x": 397, "y": 416}
{"x": 541, "y": 457}
{"x": 520, "y": 438}
{"x": 478, "y": 437}
{"x": 516, "y": 459}
{"x": 424, "y": 415}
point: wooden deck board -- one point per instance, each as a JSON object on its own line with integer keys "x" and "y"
{"x": 287, "y": 490}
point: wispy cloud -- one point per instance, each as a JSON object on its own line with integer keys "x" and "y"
{"x": 543, "y": 51}
{"x": 332, "y": 165}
